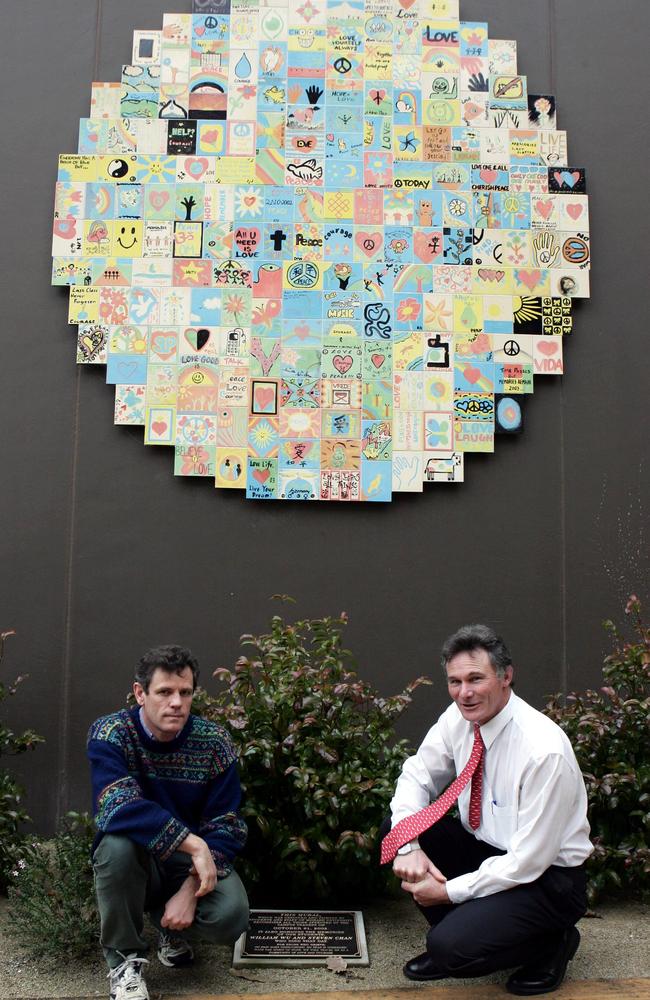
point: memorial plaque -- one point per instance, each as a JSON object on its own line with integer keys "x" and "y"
{"x": 292, "y": 938}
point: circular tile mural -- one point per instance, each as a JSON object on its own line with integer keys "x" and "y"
{"x": 324, "y": 247}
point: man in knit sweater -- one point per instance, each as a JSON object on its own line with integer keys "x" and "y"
{"x": 165, "y": 796}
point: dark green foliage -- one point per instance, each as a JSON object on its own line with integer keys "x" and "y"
{"x": 319, "y": 761}
{"x": 12, "y": 815}
{"x": 610, "y": 733}
{"x": 51, "y": 894}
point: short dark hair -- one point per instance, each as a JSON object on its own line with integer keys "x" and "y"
{"x": 471, "y": 637}
{"x": 171, "y": 659}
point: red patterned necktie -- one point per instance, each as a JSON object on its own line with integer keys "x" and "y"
{"x": 411, "y": 827}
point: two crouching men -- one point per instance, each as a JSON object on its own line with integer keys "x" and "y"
{"x": 501, "y": 886}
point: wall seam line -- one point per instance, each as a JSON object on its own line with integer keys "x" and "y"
{"x": 98, "y": 32}
{"x": 564, "y": 667}
{"x": 62, "y": 803}
{"x": 64, "y": 713}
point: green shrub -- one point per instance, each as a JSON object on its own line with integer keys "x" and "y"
{"x": 12, "y": 815}
{"x": 51, "y": 894}
{"x": 610, "y": 733}
{"x": 319, "y": 761}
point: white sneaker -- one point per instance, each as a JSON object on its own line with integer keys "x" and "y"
{"x": 174, "y": 951}
{"x": 127, "y": 982}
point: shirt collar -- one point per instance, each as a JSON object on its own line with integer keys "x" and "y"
{"x": 146, "y": 729}
{"x": 490, "y": 730}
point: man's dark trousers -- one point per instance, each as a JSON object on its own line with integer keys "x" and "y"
{"x": 516, "y": 927}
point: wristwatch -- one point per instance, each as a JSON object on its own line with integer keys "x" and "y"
{"x": 407, "y": 848}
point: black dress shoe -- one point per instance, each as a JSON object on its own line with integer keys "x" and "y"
{"x": 422, "y": 967}
{"x": 533, "y": 980}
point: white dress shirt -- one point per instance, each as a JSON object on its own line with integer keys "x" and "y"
{"x": 533, "y": 803}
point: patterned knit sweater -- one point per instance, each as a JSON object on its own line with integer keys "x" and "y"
{"x": 157, "y": 793}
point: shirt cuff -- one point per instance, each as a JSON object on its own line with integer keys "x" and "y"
{"x": 458, "y": 889}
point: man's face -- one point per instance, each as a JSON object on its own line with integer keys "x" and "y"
{"x": 474, "y": 686}
{"x": 166, "y": 705}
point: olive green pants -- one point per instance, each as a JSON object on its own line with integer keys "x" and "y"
{"x": 129, "y": 881}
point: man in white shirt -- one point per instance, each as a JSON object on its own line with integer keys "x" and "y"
{"x": 503, "y": 885}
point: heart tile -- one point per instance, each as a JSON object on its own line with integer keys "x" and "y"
{"x": 342, "y": 363}
{"x": 530, "y": 279}
{"x": 369, "y": 243}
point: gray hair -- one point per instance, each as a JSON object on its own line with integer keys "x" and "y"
{"x": 471, "y": 637}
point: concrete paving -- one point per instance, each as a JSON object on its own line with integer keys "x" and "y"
{"x": 615, "y": 946}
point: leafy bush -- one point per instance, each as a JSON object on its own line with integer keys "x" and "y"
{"x": 51, "y": 893}
{"x": 319, "y": 760}
{"x": 12, "y": 815}
{"x": 610, "y": 731}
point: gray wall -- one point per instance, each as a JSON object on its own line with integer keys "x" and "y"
{"x": 105, "y": 553}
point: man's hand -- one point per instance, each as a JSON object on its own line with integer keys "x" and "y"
{"x": 203, "y": 866}
{"x": 181, "y": 907}
{"x": 415, "y": 866}
{"x": 429, "y": 892}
